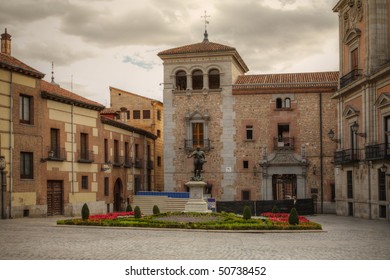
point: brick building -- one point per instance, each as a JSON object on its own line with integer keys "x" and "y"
{"x": 265, "y": 136}
{"x": 145, "y": 113}
{"x": 363, "y": 103}
{"x": 61, "y": 151}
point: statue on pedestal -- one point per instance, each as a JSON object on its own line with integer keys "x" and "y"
{"x": 199, "y": 160}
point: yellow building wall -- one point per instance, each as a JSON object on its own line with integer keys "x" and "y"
{"x": 82, "y": 197}
{"x": 23, "y": 198}
{"x": 24, "y": 80}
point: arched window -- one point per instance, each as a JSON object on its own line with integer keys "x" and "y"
{"x": 279, "y": 103}
{"x": 287, "y": 103}
{"x": 181, "y": 80}
{"x": 197, "y": 79}
{"x": 214, "y": 80}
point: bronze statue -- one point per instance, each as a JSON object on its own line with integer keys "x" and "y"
{"x": 199, "y": 160}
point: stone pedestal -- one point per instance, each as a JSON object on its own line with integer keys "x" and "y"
{"x": 196, "y": 202}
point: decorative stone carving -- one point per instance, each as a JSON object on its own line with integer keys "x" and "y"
{"x": 353, "y": 15}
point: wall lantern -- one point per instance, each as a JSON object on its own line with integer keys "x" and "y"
{"x": 355, "y": 129}
{"x": 383, "y": 169}
{"x": 3, "y": 163}
{"x": 331, "y": 136}
{"x": 50, "y": 155}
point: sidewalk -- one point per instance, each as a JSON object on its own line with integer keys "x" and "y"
{"x": 343, "y": 238}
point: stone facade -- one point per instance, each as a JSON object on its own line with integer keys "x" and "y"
{"x": 239, "y": 121}
{"x": 363, "y": 121}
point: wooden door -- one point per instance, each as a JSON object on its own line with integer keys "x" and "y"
{"x": 55, "y": 202}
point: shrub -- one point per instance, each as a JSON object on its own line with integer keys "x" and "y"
{"x": 137, "y": 212}
{"x": 156, "y": 210}
{"x": 247, "y": 213}
{"x": 85, "y": 212}
{"x": 128, "y": 208}
{"x": 293, "y": 218}
{"x": 275, "y": 209}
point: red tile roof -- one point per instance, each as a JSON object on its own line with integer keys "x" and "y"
{"x": 54, "y": 92}
{"x": 204, "y": 47}
{"x": 13, "y": 64}
{"x": 290, "y": 80}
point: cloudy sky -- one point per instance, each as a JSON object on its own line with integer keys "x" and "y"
{"x": 95, "y": 44}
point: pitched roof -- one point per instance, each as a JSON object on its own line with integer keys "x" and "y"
{"x": 289, "y": 80}
{"x": 54, "y": 92}
{"x": 204, "y": 47}
{"x": 11, "y": 63}
{"x": 127, "y": 127}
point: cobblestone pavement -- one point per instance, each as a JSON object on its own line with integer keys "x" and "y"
{"x": 343, "y": 238}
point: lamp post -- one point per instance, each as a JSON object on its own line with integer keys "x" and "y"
{"x": 3, "y": 165}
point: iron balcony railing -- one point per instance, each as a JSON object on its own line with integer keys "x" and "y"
{"x": 85, "y": 156}
{"x": 378, "y": 151}
{"x": 128, "y": 162}
{"x": 284, "y": 143}
{"x": 350, "y": 77}
{"x": 55, "y": 153}
{"x": 191, "y": 144}
{"x": 138, "y": 163}
{"x": 348, "y": 156}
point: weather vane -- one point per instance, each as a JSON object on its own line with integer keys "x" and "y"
{"x": 205, "y": 20}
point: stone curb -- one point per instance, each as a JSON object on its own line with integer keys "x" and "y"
{"x": 198, "y": 230}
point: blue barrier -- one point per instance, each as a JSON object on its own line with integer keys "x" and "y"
{"x": 168, "y": 194}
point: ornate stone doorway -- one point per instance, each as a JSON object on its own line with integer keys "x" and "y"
{"x": 284, "y": 186}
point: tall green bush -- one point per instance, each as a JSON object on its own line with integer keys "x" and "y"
{"x": 156, "y": 210}
{"x": 85, "y": 212}
{"x": 137, "y": 212}
{"x": 293, "y": 218}
{"x": 247, "y": 215}
{"x": 128, "y": 208}
{"x": 275, "y": 209}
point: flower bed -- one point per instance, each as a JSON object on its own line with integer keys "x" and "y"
{"x": 111, "y": 216}
{"x": 206, "y": 221}
{"x": 282, "y": 217}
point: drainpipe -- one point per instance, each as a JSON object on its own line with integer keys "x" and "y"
{"x": 72, "y": 132}
{"x": 321, "y": 158}
{"x": 10, "y": 147}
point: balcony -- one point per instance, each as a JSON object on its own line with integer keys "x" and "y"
{"x": 377, "y": 152}
{"x": 150, "y": 164}
{"x": 284, "y": 143}
{"x": 191, "y": 144}
{"x": 55, "y": 154}
{"x": 350, "y": 77}
{"x": 85, "y": 156}
{"x": 348, "y": 156}
{"x": 118, "y": 161}
{"x": 128, "y": 162}
{"x": 138, "y": 163}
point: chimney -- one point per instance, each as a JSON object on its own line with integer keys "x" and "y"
{"x": 6, "y": 43}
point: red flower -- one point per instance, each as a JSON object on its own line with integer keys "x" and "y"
{"x": 110, "y": 216}
{"x": 282, "y": 217}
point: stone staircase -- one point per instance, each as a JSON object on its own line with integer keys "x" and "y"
{"x": 164, "y": 203}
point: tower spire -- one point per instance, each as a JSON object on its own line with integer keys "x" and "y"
{"x": 206, "y": 35}
{"x": 52, "y": 75}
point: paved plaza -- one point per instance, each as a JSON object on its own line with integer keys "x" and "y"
{"x": 343, "y": 238}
